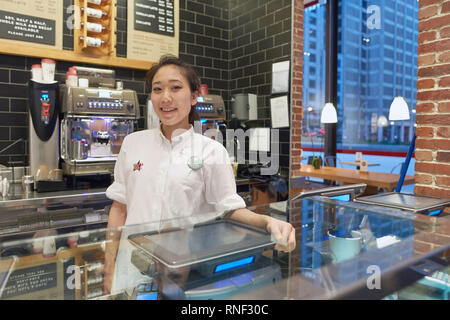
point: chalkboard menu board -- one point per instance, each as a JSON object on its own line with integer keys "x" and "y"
{"x": 156, "y": 16}
{"x": 26, "y": 28}
{"x": 28, "y": 280}
{"x": 152, "y": 29}
{"x": 39, "y": 28}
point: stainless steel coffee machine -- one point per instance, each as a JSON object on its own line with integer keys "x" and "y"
{"x": 95, "y": 121}
{"x": 211, "y": 109}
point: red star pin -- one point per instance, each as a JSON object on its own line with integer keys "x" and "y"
{"x": 137, "y": 166}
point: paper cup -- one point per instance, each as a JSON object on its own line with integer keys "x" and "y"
{"x": 48, "y": 70}
{"x": 203, "y": 90}
{"x": 36, "y": 72}
{"x": 41, "y": 173}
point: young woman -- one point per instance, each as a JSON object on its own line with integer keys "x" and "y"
{"x": 172, "y": 172}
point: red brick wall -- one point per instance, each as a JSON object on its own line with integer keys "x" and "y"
{"x": 296, "y": 90}
{"x": 296, "y": 115}
{"x": 433, "y": 100}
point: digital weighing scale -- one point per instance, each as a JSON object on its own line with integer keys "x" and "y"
{"x": 211, "y": 260}
{"x": 430, "y": 206}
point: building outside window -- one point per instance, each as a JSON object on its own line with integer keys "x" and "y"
{"x": 377, "y": 61}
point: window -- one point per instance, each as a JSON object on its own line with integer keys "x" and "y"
{"x": 392, "y": 49}
{"x": 314, "y": 71}
{"x": 375, "y": 64}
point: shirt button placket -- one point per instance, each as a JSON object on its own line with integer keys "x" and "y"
{"x": 159, "y": 180}
{"x": 164, "y": 168}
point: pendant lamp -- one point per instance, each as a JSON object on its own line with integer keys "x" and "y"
{"x": 329, "y": 114}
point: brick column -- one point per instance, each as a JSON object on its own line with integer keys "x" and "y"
{"x": 433, "y": 100}
{"x": 296, "y": 87}
{"x": 296, "y": 120}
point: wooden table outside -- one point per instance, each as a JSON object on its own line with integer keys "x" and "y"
{"x": 357, "y": 164}
{"x": 386, "y": 181}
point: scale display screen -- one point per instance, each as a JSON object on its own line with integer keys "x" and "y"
{"x": 344, "y": 197}
{"x": 435, "y": 213}
{"x": 202, "y": 243}
{"x": 234, "y": 264}
{"x": 412, "y": 202}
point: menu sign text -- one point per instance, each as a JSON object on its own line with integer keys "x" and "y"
{"x": 16, "y": 26}
{"x": 26, "y": 281}
{"x": 155, "y": 16}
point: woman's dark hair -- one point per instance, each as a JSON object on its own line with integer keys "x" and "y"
{"x": 185, "y": 69}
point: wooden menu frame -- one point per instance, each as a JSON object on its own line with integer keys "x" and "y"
{"x": 67, "y": 55}
{"x": 105, "y": 57}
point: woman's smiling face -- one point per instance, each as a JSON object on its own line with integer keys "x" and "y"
{"x": 172, "y": 97}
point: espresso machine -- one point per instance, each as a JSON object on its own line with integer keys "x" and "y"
{"x": 211, "y": 109}
{"x": 94, "y": 123}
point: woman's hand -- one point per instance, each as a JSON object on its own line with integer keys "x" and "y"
{"x": 283, "y": 233}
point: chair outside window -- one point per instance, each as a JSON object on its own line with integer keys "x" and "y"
{"x": 398, "y": 165}
{"x": 330, "y": 161}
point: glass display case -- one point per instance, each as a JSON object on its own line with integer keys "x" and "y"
{"x": 27, "y": 215}
{"x": 344, "y": 250}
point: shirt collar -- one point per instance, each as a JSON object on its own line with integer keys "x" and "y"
{"x": 178, "y": 139}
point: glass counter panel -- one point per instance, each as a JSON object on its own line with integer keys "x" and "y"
{"x": 432, "y": 287}
{"x": 343, "y": 250}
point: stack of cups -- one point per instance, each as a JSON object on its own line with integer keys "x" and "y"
{"x": 203, "y": 89}
{"x": 36, "y": 72}
{"x": 48, "y": 70}
{"x": 71, "y": 78}
{"x": 44, "y": 72}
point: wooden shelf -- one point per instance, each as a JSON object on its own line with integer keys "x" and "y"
{"x": 67, "y": 55}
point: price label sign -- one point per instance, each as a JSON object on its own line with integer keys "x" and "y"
{"x": 21, "y": 27}
{"x": 155, "y": 16}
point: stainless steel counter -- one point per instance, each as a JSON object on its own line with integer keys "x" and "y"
{"x": 22, "y": 215}
{"x": 17, "y": 198}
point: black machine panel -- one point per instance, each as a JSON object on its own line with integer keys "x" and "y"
{"x": 44, "y": 108}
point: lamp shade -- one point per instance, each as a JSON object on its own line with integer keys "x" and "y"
{"x": 329, "y": 114}
{"x": 382, "y": 121}
{"x": 399, "y": 109}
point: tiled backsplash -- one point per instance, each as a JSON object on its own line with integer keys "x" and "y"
{"x": 232, "y": 44}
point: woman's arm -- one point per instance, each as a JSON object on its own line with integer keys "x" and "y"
{"x": 117, "y": 218}
{"x": 283, "y": 232}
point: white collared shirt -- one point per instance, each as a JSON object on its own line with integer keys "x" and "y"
{"x": 153, "y": 178}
